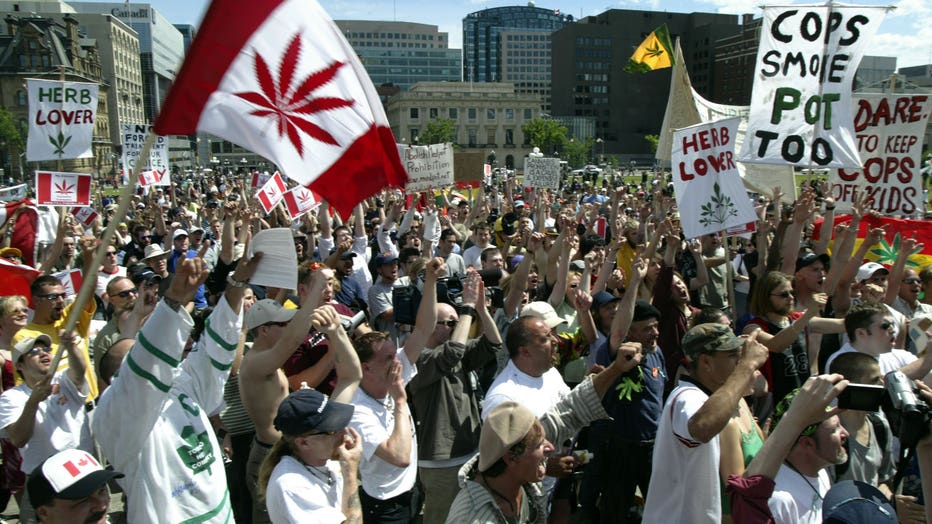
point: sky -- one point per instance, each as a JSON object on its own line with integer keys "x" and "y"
{"x": 906, "y": 32}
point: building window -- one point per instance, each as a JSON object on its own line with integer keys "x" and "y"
{"x": 490, "y": 136}
{"x": 509, "y": 114}
{"x": 527, "y": 114}
{"x": 414, "y": 113}
{"x": 414, "y": 135}
{"x": 453, "y": 113}
{"x": 20, "y": 97}
{"x": 472, "y": 113}
{"x": 490, "y": 114}
{"x": 510, "y": 137}
{"x": 434, "y": 112}
{"x": 472, "y": 138}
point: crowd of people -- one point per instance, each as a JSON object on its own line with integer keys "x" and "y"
{"x": 496, "y": 354}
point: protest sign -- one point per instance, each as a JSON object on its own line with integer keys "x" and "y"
{"x": 134, "y": 135}
{"x": 542, "y": 172}
{"x": 889, "y": 131}
{"x": 427, "y": 166}
{"x": 149, "y": 178}
{"x": 271, "y": 193}
{"x": 63, "y": 189}
{"x": 800, "y": 103}
{"x": 259, "y": 179}
{"x": 84, "y": 215}
{"x": 61, "y": 119}
{"x": 13, "y": 193}
{"x": 708, "y": 189}
{"x": 299, "y": 201}
{"x": 468, "y": 166}
{"x": 71, "y": 280}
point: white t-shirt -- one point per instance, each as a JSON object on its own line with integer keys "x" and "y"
{"x": 538, "y": 394}
{"x": 61, "y": 420}
{"x": 104, "y": 278}
{"x": 795, "y": 499}
{"x": 297, "y": 495}
{"x": 684, "y": 485}
{"x": 472, "y": 256}
{"x": 374, "y": 419}
{"x": 891, "y": 361}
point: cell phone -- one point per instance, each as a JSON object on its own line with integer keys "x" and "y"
{"x": 861, "y": 397}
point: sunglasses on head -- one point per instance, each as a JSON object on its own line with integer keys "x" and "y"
{"x": 127, "y": 292}
{"x": 448, "y": 323}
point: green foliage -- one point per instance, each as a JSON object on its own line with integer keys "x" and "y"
{"x": 10, "y": 132}
{"x": 577, "y": 152}
{"x": 653, "y": 141}
{"x": 438, "y": 131}
{"x": 718, "y": 210}
{"x": 546, "y": 134}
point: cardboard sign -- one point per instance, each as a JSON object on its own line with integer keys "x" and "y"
{"x": 542, "y": 172}
{"x": 85, "y": 215}
{"x": 427, "y": 166}
{"x": 134, "y": 135}
{"x": 889, "y": 132}
{"x": 468, "y": 166}
{"x": 71, "y": 280}
{"x": 800, "y": 104}
{"x": 259, "y": 179}
{"x": 63, "y": 189}
{"x": 708, "y": 189}
{"x": 61, "y": 119}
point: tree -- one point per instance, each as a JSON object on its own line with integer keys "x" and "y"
{"x": 653, "y": 141}
{"x": 438, "y": 131}
{"x": 577, "y": 152}
{"x": 546, "y": 134}
{"x": 12, "y": 140}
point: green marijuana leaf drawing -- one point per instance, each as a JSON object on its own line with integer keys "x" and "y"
{"x": 197, "y": 453}
{"x": 60, "y": 144}
{"x": 654, "y": 50}
{"x": 886, "y": 253}
{"x": 718, "y": 210}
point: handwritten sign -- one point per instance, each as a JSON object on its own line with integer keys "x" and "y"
{"x": 134, "y": 135}
{"x": 800, "y": 108}
{"x": 427, "y": 166}
{"x": 542, "y": 172}
{"x": 708, "y": 188}
{"x": 61, "y": 119}
{"x": 889, "y": 131}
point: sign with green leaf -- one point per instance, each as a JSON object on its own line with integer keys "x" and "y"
{"x": 61, "y": 119}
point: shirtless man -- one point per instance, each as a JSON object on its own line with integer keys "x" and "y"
{"x": 263, "y": 384}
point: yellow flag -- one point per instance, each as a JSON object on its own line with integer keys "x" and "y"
{"x": 655, "y": 52}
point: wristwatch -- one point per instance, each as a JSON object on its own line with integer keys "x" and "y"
{"x": 236, "y": 283}
{"x": 468, "y": 310}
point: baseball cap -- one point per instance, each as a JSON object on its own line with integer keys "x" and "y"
{"x": 543, "y": 311}
{"x": 8, "y": 252}
{"x": 310, "y": 410}
{"x": 579, "y": 265}
{"x": 709, "y": 338}
{"x": 854, "y": 502}
{"x": 602, "y": 298}
{"x": 72, "y": 474}
{"x": 782, "y": 407}
{"x": 507, "y": 424}
{"x": 265, "y": 311}
{"x": 144, "y": 275}
{"x": 519, "y": 203}
{"x": 868, "y": 269}
{"x": 179, "y": 233}
{"x": 808, "y": 257}
{"x": 196, "y": 230}
{"x": 385, "y": 258}
{"x": 25, "y": 346}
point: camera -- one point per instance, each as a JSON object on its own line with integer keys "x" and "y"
{"x": 908, "y": 415}
{"x": 407, "y": 299}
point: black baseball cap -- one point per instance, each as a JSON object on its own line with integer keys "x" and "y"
{"x": 308, "y": 410}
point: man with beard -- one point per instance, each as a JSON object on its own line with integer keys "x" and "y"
{"x": 71, "y": 487}
{"x": 49, "y": 316}
{"x": 802, "y": 481}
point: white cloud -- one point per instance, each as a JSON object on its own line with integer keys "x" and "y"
{"x": 909, "y": 49}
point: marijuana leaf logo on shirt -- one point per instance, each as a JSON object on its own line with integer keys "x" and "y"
{"x": 288, "y": 102}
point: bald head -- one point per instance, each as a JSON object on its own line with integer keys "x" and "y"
{"x": 444, "y": 328}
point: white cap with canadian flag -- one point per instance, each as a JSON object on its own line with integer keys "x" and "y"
{"x": 279, "y": 79}
{"x": 71, "y": 474}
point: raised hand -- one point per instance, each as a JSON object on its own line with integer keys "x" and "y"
{"x": 471, "y": 288}
{"x": 326, "y": 320}
{"x": 628, "y": 356}
{"x": 190, "y": 273}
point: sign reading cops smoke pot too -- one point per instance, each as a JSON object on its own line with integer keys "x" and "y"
{"x": 800, "y": 104}
{"x": 61, "y": 120}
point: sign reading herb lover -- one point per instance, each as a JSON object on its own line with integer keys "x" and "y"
{"x": 61, "y": 120}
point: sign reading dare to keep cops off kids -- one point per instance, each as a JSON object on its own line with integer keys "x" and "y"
{"x": 708, "y": 188}
{"x": 61, "y": 120}
{"x": 801, "y": 100}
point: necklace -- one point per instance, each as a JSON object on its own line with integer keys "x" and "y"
{"x": 806, "y": 480}
{"x": 501, "y": 497}
{"x": 318, "y": 473}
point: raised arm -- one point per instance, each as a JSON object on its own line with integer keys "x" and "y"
{"x": 426, "y": 312}
{"x": 346, "y": 361}
{"x": 625, "y": 313}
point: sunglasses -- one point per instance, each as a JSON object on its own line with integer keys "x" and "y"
{"x": 322, "y": 434}
{"x": 36, "y": 350}
{"x": 448, "y": 323}
{"x": 885, "y": 325}
{"x": 785, "y": 294}
{"x": 110, "y": 253}
{"x": 53, "y": 296}
{"x": 913, "y": 280}
{"x": 128, "y": 292}
{"x": 279, "y": 324}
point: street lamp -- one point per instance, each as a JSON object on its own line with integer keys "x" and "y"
{"x": 602, "y": 145}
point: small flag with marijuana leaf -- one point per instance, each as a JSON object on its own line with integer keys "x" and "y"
{"x": 655, "y": 52}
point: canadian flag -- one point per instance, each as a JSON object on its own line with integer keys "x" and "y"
{"x": 271, "y": 193}
{"x": 63, "y": 189}
{"x": 70, "y": 280}
{"x": 149, "y": 178}
{"x": 164, "y": 177}
{"x": 259, "y": 179}
{"x": 34, "y": 226}
{"x": 279, "y": 79}
{"x": 86, "y": 215}
{"x": 300, "y": 200}
{"x": 15, "y": 279}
